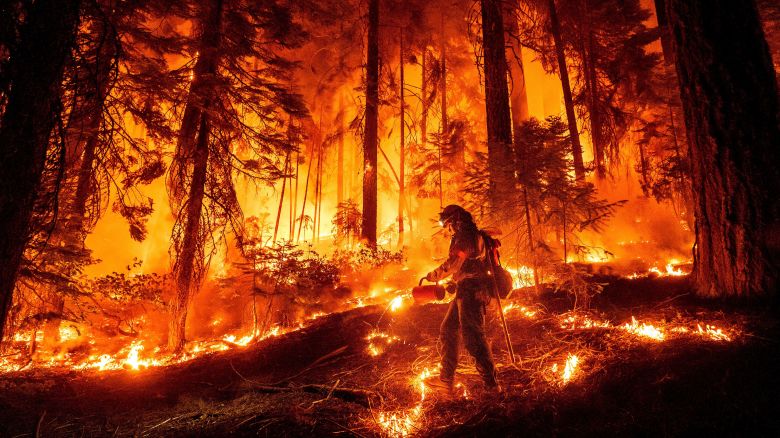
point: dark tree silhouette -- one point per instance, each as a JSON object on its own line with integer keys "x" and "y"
{"x": 372, "y": 119}
{"x": 729, "y": 95}
{"x": 26, "y": 126}
{"x": 499, "y": 125}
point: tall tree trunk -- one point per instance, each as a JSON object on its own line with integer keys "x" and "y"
{"x": 424, "y": 99}
{"x": 663, "y": 27}
{"x": 571, "y": 118}
{"x": 195, "y": 148}
{"x": 729, "y": 95}
{"x": 402, "y": 149}
{"x": 443, "y": 81}
{"x": 45, "y": 42}
{"x": 594, "y": 109}
{"x": 499, "y": 129}
{"x": 340, "y": 155}
{"x": 372, "y": 120}
{"x": 82, "y": 138}
{"x": 186, "y": 265}
{"x": 518, "y": 98}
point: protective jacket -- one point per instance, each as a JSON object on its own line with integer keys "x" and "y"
{"x": 467, "y": 257}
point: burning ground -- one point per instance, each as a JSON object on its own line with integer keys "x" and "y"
{"x": 647, "y": 358}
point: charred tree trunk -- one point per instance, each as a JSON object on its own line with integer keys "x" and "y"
{"x": 729, "y": 95}
{"x": 594, "y": 109}
{"x": 193, "y": 147}
{"x": 499, "y": 128}
{"x": 370, "y": 134}
{"x": 443, "y": 81}
{"x": 518, "y": 98}
{"x": 340, "y": 155}
{"x": 663, "y": 27}
{"x": 424, "y": 99}
{"x": 402, "y": 150}
{"x": 46, "y": 40}
{"x": 81, "y": 149}
{"x": 574, "y": 135}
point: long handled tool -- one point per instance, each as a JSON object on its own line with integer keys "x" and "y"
{"x": 501, "y": 310}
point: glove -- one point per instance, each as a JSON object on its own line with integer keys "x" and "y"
{"x": 430, "y": 277}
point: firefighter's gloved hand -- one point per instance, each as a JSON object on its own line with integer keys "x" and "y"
{"x": 430, "y": 276}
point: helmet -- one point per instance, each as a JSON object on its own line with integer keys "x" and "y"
{"x": 453, "y": 213}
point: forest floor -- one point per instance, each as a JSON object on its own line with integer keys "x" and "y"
{"x": 604, "y": 371}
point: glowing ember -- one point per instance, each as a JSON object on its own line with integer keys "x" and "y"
{"x": 378, "y": 341}
{"x": 643, "y": 330}
{"x": 512, "y": 307}
{"x": 400, "y": 423}
{"x": 577, "y": 322}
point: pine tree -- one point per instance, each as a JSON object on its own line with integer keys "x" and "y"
{"x": 28, "y": 118}
{"x": 731, "y": 120}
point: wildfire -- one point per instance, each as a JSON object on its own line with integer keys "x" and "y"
{"x": 396, "y": 303}
{"x": 643, "y": 330}
{"x": 672, "y": 269}
{"x": 713, "y": 333}
{"x": 404, "y": 422}
{"x": 378, "y": 341}
{"x": 569, "y": 369}
{"x": 578, "y": 322}
{"x": 512, "y": 307}
{"x": 522, "y": 276}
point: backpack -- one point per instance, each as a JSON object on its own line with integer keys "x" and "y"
{"x": 503, "y": 279}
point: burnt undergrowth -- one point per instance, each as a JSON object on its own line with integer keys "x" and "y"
{"x": 322, "y": 379}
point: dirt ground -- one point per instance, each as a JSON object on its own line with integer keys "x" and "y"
{"x": 714, "y": 372}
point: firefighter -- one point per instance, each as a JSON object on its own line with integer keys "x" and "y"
{"x": 467, "y": 263}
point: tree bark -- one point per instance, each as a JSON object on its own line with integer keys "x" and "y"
{"x": 372, "y": 120}
{"x": 402, "y": 149}
{"x": 340, "y": 155}
{"x": 574, "y": 135}
{"x": 499, "y": 128}
{"x": 195, "y": 149}
{"x": 663, "y": 27}
{"x": 518, "y": 97}
{"x": 729, "y": 96}
{"x": 46, "y": 40}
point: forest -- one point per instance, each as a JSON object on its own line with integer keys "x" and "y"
{"x": 217, "y": 217}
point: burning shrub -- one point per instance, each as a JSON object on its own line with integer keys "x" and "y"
{"x": 575, "y": 281}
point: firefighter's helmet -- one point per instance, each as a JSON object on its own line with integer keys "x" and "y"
{"x": 453, "y": 213}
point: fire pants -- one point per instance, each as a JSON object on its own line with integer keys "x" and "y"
{"x": 466, "y": 316}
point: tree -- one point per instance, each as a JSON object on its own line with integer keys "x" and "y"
{"x": 563, "y": 73}
{"x": 729, "y": 95}
{"x": 234, "y": 122}
{"x": 26, "y": 126}
{"x": 499, "y": 127}
{"x": 370, "y": 135}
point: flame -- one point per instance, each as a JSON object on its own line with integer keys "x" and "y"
{"x": 712, "y": 332}
{"x": 523, "y": 276}
{"x": 643, "y": 330}
{"x": 396, "y": 303}
{"x": 569, "y": 369}
{"x": 511, "y": 307}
